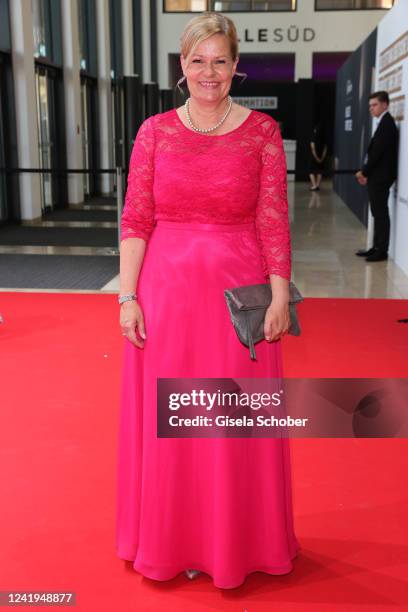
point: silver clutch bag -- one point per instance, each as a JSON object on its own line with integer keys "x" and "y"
{"x": 247, "y": 306}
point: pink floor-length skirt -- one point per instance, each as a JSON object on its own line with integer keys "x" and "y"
{"x": 219, "y": 505}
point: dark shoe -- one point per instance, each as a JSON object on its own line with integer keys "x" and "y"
{"x": 363, "y": 253}
{"x": 377, "y": 256}
{"x": 191, "y": 573}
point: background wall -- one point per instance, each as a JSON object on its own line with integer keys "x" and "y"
{"x": 392, "y": 74}
{"x": 333, "y": 31}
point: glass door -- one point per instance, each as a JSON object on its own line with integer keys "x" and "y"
{"x": 89, "y": 116}
{"x": 3, "y": 198}
{"x": 118, "y": 122}
{"x": 86, "y": 140}
{"x": 44, "y": 138}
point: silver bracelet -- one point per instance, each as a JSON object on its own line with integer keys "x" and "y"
{"x": 127, "y": 298}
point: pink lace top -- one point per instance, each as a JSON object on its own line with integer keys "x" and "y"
{"x": 238, "y": 177}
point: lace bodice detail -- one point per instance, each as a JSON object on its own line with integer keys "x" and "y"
{"x": 238, "y": 177}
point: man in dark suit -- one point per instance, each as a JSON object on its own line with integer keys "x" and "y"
{"x": 378, "y": 173}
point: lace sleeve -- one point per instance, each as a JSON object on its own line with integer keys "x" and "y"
{"x": 272, "y": 221}
{"x": 138, "y": 213}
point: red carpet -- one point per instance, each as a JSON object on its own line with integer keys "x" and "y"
{"x": 59, "y": 366}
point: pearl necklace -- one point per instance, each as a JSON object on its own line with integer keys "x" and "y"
{"x": 211, "y": 129}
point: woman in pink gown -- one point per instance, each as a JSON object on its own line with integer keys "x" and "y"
{"x": 204, "y": 211}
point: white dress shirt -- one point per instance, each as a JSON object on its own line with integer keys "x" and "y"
{"x": 379, "y": 120}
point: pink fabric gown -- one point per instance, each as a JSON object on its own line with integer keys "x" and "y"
{"x": 213, "y": 211}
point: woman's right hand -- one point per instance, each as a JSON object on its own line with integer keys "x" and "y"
{"x": 131, "y": 318}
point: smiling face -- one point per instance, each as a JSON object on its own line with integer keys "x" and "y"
{"x": 376, "y": 107}
{"x": 209, "y": 69}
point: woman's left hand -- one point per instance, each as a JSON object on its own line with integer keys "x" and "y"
{"x": 277, "y": 320}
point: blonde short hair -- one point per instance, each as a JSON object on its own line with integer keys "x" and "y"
{"x": 205, "y": 25}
